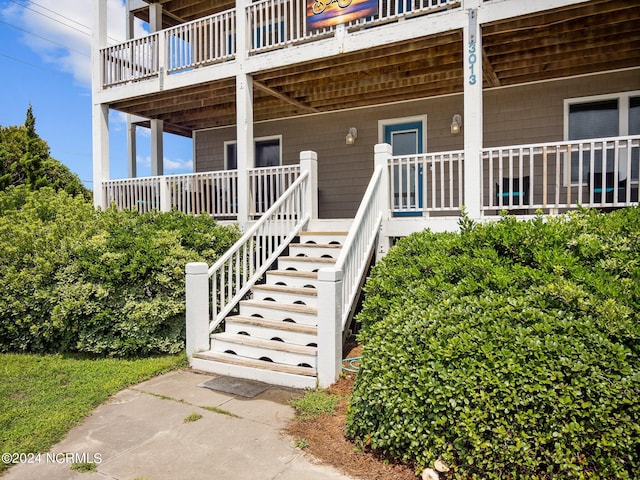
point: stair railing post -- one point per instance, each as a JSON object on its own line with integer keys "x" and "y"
{"x": 197, "y": 307}
{"x": 329, "y": 326}
{"x": 382, "y": 154}
{"x": 309, "y": 163}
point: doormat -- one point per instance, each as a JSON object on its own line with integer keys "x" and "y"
{"x": 236, "y": 386}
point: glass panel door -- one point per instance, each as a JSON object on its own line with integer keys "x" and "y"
{"x": 406, "y": 139}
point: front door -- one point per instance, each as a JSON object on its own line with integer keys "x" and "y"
{"x": 406, "y": 139}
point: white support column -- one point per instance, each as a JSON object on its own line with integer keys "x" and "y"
{"x": 132, "y": 148}
{"x": 157, "y": 147}
{"x": 245, "y": 146}
{"x": 100, "y": 124}
{"x": 473, "y": 119}
{"x": 329, "y": 325}
{"x": 309, "y": 163}
{"x": 197, "y": 307}
{"x": 99, "y": 112}
{"x": 155, "y": 17}
{"x": 382, "y": 155}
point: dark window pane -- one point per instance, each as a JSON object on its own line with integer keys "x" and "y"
{"x": 592, "y": 120}
{"x": 268, "y": 153}
{"x": 232, "y": 156}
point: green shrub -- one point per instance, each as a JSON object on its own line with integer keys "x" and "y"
{"x": 511, "y": 350}
{"x": 107, "y": 282}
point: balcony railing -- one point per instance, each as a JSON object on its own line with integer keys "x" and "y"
{"x": 271, "y": 24}
{"x": 214, "y": 193}
{"x": 562, "y": 175}
{"x": 424, "y": 183}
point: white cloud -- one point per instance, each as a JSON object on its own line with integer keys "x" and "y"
{"x": 67, "y": 24}
{"x": 170, "y": 166}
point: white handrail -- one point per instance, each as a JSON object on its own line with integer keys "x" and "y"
{"x": 233, "y": 275}
{"x": 358, "y": 246}
{"x": 540, "y": 175}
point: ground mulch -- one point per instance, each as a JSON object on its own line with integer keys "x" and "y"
{"x": 326, "y": 439}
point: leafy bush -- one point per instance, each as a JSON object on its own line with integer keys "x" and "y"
{"x": 110, "y": 282}
{"x": 511, "y": 350}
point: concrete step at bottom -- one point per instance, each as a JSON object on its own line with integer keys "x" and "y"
{"x": 261, "y": 349}
{"x": 251, "y": 369}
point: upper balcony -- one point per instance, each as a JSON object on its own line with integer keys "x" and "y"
{"x": 184, "y": 74}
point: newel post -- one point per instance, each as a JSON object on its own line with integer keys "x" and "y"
{"x": 382, "y": 155}
{"x": 309, "y": 163}
{"x": 197, "y": 307}
{"x": 329, "y": 325}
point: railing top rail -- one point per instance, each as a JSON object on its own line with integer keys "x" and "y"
{"x": 254, "y": 228}
{"x": 362, "y": 210}
{"x": 174, "y": 175}
{"x": 181, "y": 26}
{"x": 428, "y": 154}
{"x": 564, "y": 143}
{"x": 140, "y": 39}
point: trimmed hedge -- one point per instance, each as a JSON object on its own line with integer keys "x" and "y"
{"x": 110, "y": 283}
{"x": 510, "y": 350}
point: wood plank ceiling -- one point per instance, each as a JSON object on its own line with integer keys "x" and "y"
{"x": 591, "y": 37}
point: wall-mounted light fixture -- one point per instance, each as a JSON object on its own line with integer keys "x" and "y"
{"x": 352, "y": 135}
{"x": 456, "y": 124}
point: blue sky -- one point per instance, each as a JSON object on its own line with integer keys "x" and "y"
{"x": 45, "y": 49}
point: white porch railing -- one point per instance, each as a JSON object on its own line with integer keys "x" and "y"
{"x": 266, "y": 185}
{"x": 214, "y": 193}
{"x": 141, "y": 194}
{"x": 277, "y": 23}
{"x": 271, "y": 24}
{"x": 562, "y": 175}
{"x": 201, "y": 42}
{"x": 233, "y": 275}
{"x": 428, "y": 182}
{"x": 130, "y": 61}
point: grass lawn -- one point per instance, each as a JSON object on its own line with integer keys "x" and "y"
{"x": 43, "y": 396}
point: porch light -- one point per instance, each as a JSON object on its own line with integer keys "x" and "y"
{"x": 456, "y": 123}
{"x": 352, "y": 135}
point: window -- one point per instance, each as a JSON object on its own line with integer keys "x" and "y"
{"x": 267, "y": 153}
{"x": 602, "y": 117}
{"x": 592, "y": 120}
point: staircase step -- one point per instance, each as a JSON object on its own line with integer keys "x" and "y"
{"x": 286, "y": 294}
{"x": 323, "y": 238}
{"x": 240, "y": 367}
{"x": 291, "y": 278}
{"x": 274, "y": 325}
{"x": 270, "y": 330}
{"x": 279, "y": 312}
{"x": 314, "y": 250}
{"x": 304, "y": 264}
{"x": 260, "y": 349}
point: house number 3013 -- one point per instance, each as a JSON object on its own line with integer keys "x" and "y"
{"x": 472, "y": 63}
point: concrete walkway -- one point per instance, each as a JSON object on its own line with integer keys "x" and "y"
{"x": 141, "y": 433}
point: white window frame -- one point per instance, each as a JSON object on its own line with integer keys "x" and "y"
{"x": 395, "y": 121}
{"x": 255, "y": 142}
{"x": 623, "y": 118}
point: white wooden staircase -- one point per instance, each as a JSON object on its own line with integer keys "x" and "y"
{"x": 273, "y": 337}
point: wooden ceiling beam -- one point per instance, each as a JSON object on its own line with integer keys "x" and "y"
{"x": 488, "y": 73}
{"x": 284, "y": 98}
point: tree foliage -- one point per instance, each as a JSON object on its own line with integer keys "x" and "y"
{"x": 102, "y": 282}
{"x": 511, "y": 350}
{"x": 25, "y": 160}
